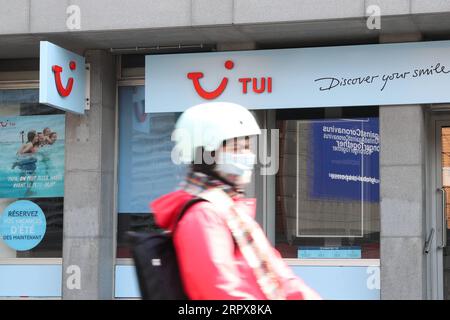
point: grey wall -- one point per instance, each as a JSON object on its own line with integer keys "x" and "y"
{"x": 44, "y": 16}
{"x": 403, "y": 197}
{"x": 89, "y": 210}
{"x": 153, "y": 24}
{"x": 402, "y": 188}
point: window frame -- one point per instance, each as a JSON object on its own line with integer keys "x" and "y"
{"x": 327, "y": 113}
{"x": 266, "y": 190}
{"x": 121, "y": 82}
{"x": 17, "y": 85}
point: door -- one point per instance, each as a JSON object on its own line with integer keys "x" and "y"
{"x": 438, "y": 219}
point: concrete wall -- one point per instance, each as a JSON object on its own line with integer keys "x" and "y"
{"x": 45, "y": 16}
{"x": 402, "y": 188}
{"x": 403, "y": 197}
{"x": 89, "y": 210}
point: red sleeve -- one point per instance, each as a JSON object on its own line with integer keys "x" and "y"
{"x": 205, "y": 250}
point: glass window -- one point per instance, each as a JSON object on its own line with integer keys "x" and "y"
{"x": 32, "y": 140}
{"x": 146, "y": 170}
{"x": 328, "y": 185}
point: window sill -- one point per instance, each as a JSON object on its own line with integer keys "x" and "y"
{"x": 32, "y": 261}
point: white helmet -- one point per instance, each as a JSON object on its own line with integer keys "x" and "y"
{"x": 207, "y": 125}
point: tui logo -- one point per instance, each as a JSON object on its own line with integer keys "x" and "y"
{"x": 209, "y": 95}
{"x": 64, "y": 91}
{"x": 250, "y": 85}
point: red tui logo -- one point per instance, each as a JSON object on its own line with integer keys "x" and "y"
{"x": 258, "y": 86}
{"x": 209, "y": 95}
{"x": 63, "y": 91}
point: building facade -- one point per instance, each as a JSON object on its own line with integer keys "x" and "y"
{"x": 357, "y": 202}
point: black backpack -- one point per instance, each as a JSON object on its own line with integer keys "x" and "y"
{"x": 156, "y": 262}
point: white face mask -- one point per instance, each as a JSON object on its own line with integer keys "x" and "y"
{"x": 239, "y": 165}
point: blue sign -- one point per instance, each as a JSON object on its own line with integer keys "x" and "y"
{"x": 345, "y": 160}
{"x": 32, "y": 280}
{"x": 32, "y": 161}
{"x": 330, "y": 282}
{"x": 342, "y": 283}
{"x": 329, "y": 253}
{"x": 378, "y": 74}
{"x": 22, "y": 225}
{"x": 62, "y": 78}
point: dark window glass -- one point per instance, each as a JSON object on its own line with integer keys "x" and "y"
{"x": 328, "y": 183}
{"x": 146, "y": 170}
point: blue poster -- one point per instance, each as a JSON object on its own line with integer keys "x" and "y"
{"x": 345, "y": 160}
{"x": 146, "y": 170}
{"x": 22, "y": 225}
{"x": 32, "y": 161}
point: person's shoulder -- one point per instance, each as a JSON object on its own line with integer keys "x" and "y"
{"x": 204, "y": 212}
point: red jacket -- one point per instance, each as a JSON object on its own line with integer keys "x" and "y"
{"x": 211, "y": 265}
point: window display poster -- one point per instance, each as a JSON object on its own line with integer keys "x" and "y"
{"x": 22, "y": 225}
{"x": 345, "y": 159}
{"x": 32, "y": 156}
{"x": 146, "y": 169}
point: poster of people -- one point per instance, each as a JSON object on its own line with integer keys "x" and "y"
{"x": 32, "y": 161}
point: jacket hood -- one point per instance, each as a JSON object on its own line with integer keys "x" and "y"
{"x": 167, "y": 208}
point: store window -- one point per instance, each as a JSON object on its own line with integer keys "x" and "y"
{"x": 146, "y": 170}
{"x": 327, "y": 186}
{"x": 32, "y": 138}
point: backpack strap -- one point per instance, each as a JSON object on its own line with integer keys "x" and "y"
{"x": 218, "y": 198}
{"x": 185, "y": 208}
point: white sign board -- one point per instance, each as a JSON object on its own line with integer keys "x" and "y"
{"x": 406, "y": 73}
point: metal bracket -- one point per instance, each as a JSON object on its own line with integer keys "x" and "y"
{"x": 426, "y": 249}
{"x": 444, "y": 218}
{"x": 87, "y": 105}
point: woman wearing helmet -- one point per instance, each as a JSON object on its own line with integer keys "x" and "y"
{"x": 222, "y": 251}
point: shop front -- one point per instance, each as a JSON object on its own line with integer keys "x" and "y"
{"x": 33, "y": 168}
{"x": 352, "y": 152}
{"x": 318, "y": 174}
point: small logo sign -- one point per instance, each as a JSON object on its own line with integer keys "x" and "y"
{"x": 62, "y": 78}
{"x": 156, "y": 262}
